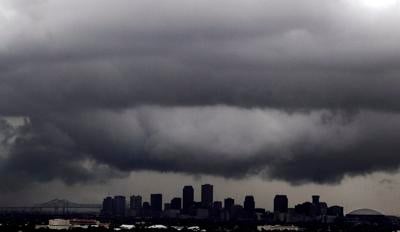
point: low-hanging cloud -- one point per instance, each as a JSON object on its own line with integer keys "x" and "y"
{"x": 318, "y": 146}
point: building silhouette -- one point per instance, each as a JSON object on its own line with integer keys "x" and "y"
{"x": 217, "y": 205}
{"x": 107, "y": 208}
{"x": 207, "y": 192}
{"x": 188, "y": 199}
{"x": 146, "y": 205}
{"x": 156, "y": 202}
{"x": 187, "y": 209}
{"x": 229, "y": 203}
{"x": 119, "y": 206}
{"x": 315, "y": 199}
{"x": 249, "y": 204}
{"x": 176, "y": 203}
{"x": 135, "y": 202}
{"x": 281, "y": 204}
{"x": 335, "y": 211}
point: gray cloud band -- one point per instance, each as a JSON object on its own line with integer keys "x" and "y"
{"x": 319, "y": 146}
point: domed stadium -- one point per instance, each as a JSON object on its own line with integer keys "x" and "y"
{"x": 366, "y": 216}
{"x": 365, "y": 212}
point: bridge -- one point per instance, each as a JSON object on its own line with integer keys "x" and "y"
{"x": 57, "y": 206}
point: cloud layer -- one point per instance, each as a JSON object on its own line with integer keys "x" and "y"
{"x": 320, "y": 147}
{"x": 223, "y": 88}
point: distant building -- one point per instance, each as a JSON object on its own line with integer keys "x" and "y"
{"x": 156, "y": 202}
{"x": 280, "y": 208}
{"x": 306, "y": 209}
{"x": 202, "y": 213}
{"x": 335, "y": 211}
{"x": 146, "y": 205}
{"x": 229, "y": 203}
{"x": 217, "y": 205}
{"x": 119, "y": 206}
{"x": 146, "y": 209}
{"x": 236, "y": 212}
{"x": 135, "y": 202}
{"x": 249, "y": 204}
{"x": 207, "y": 191}
{"x": 59, "y": 224}
{"x": 322, "y": 208}
{"x": 176, "y": 203}
{"x": 188, "y": 199}
{"x": 367, "y": 216}
{"x": 315, "y": 200}
{"x": 281, "y": 204}
{"x": 107, "y": 209}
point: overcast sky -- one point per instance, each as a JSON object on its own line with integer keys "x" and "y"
{"x": 105, "y": 97}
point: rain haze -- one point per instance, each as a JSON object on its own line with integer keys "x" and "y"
{"x": 258, "y": 97}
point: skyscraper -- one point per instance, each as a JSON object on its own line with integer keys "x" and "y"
{"x": 229, "y": 203}
{"x": 249, "y": 204}
{"x": 135, "y": 202}
{"x": 315, "y": 199}
{"x": 188, "y": 198}
{"x": 207, "y": 195}
{"x": 107, "y": 209}
{"x": 156, "y": 202}
{"x": 281, "y": 204}
{"x": 119, "y": 206}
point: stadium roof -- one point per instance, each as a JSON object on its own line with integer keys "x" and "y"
{"x": 369, "y": 212}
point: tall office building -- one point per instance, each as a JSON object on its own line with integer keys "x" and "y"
{"x": 315, "y": 200}
{"x": 249, "y": 204}
{"x": 119, "y": 206}
{"x": 135, "y": 202}
{"x": 207, "y": 191}
{"x": 188, "y": 198}
{"x": 107, "y": 209}
{"x": 156, "y": 202}
{"x": 176, "y": 203}
{"x": 281, "y": 204}
{"x": 229, "y": 203}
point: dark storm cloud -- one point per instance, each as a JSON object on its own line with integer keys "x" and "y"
{"x": 301, "y": 95}
{"x": 42, "y": 153}
{"x": 319, "y": 147}
{"x": 70, "y": 56}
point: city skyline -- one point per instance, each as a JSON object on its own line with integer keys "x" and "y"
{"x": 229, "y": 210}
{"x": 259, "y": 201}
{"x": 102, "y": 97}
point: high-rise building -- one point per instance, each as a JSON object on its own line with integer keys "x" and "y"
{"x": 176, "y": 203}
{"x": 188, "y": 198}
{"x": 119, "y": 206}
{"x": 107, "y": 208}
{"x": 249, "y": 204}
{"x": 135, "y": 202}
{"x": 207, "y": 192}
{"x": 281, "y": 204}
{"x": 156, "y": 202}
{"x": 315, "y": 199}
{"x": 229, "y": 203}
